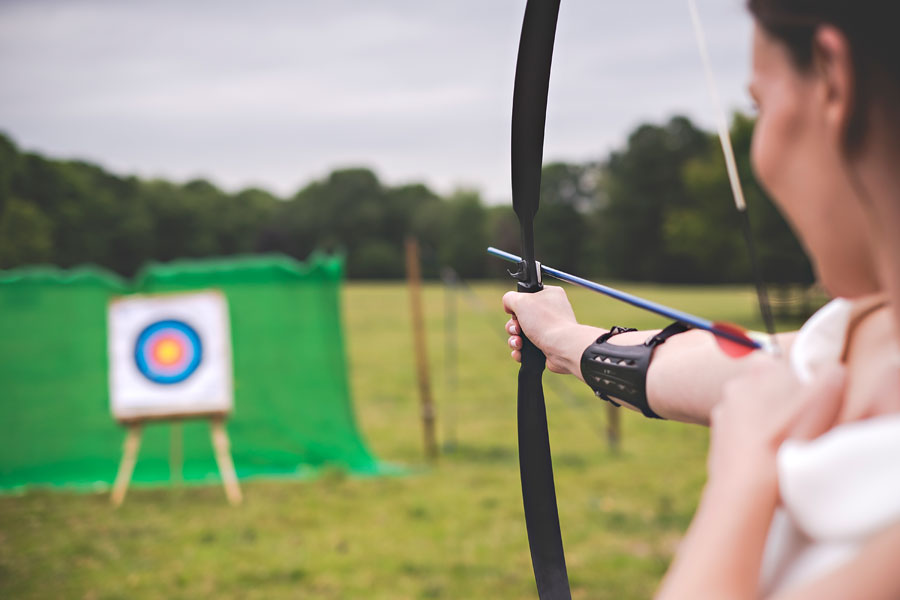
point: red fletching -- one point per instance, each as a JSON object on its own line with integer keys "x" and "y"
{"x": 732, "y": 347}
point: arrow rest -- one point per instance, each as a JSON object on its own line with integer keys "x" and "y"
{"x": 529, "y": 281}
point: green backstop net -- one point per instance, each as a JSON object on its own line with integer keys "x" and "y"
{"x": 292, "y": 412}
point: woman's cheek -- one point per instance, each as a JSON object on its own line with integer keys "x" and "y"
{"x": 772, "y": 153}
{"x": 777, "y": 142}
{"x": 762, "y": 156}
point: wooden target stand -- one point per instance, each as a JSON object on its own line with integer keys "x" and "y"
{"x": 220, "y": 442}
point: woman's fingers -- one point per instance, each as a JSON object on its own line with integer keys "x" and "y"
{"x": 514, "y": 341}
{"x": 509, "y": 301}
{"x": 819, "y": 405}
{"x": 769, "y": 405}
{"x": 512, "y": 327}
{"x": 540, "y": 315}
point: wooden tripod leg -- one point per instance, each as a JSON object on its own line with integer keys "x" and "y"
{"x": 221, "y": 445}
{"x": 126, "y": 466}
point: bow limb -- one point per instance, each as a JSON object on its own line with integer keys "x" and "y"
{"x": 535, "y": 466}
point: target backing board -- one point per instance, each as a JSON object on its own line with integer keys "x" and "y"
{"x": 169, "y": 355}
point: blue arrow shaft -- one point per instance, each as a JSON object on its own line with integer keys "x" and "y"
{"x": 648, "y": 305}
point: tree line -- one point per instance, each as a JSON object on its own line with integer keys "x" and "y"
{"x": 657, "y": 209}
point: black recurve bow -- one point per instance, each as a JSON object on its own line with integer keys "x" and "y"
{"x": 532, "y": 83}
{"x": 529, "y": 115}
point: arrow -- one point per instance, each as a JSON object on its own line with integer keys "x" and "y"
{"x": 733, "y": 339}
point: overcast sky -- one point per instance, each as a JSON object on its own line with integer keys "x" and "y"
{"x": 275, "y": 93}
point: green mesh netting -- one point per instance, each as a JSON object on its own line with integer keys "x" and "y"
{"x": 292, "y": 402}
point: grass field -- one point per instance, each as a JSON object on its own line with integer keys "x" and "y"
{"x": 452, "y": 530}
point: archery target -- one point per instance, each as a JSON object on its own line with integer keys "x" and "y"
{"x": 168, "y": 351}
{"x": 169, "y": 355}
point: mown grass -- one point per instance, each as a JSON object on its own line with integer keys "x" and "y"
{"x": 450, "y": 530}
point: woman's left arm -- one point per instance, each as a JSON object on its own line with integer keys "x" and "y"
{"x": 721, "y": 554}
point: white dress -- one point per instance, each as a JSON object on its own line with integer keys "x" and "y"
{"x": 837, "y": 490}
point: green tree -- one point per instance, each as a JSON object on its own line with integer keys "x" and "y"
{"x": 25, "y": 234}
{"x": 568, "y": 194}
{"x": 782, "y": 258}
{"x": 504, "y": 234}
{"x": 177, "y": 225}
{"x": 379, "y": 259}
{"x": 9, "y": 158}
{"x": 703, "y": 238}
{"x": 467, "y": 234}
{"x": 338, "y": 214}
{"x": 643, "y": 183}
{"x": 658, "y": 209}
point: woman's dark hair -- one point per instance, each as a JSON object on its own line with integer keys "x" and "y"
{"x": 870, "y": 27}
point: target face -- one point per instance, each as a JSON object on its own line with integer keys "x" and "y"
{"x": 169, "y": 355}
{"x": 168, "y": 352}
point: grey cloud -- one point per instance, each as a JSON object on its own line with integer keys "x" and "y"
{"x": 274, "y": 93}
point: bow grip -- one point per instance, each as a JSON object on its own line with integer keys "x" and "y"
{"x": 536, "y": 471}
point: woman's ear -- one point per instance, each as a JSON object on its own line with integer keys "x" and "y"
{"x": 833, "y": 64}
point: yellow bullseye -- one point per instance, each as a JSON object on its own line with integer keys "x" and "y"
{"x": 167, "y": 352}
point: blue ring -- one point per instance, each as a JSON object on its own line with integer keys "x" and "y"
{"x": 141, "y": 361}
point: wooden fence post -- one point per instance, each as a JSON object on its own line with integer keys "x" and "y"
{"x": 414, "y": 279}
{"x": 451, "y": 358}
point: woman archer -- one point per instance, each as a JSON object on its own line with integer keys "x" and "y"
{"x": 803, "y": 495}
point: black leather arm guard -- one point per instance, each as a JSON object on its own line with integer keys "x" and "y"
{"x": 617, "y": 372}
